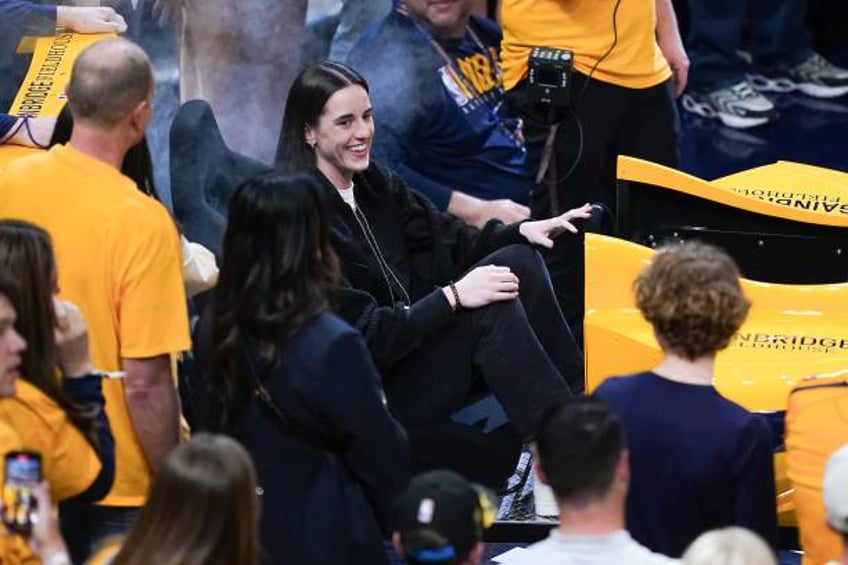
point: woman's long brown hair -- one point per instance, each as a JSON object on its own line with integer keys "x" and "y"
{"x": 203, "y": 509}
{"x": 26, "y": 253}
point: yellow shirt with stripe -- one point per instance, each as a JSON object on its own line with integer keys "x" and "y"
{"x": 118, "y": 256}
{"x": 586, "y": 28}
{"x": 816, "y": 426}
{"x": 69, "y": 462}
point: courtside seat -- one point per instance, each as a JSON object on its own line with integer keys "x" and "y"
{"x": 204, "y": 174}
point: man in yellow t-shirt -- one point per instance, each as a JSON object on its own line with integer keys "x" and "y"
{"x": 624, "y": 53}
{"x": 629, "y": 64}
{"x": 118, "y": 258}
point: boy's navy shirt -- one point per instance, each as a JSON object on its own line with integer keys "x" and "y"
{"x": 698, "y": 461}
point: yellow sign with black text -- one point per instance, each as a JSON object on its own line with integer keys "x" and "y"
{"x": 42, "y": 92}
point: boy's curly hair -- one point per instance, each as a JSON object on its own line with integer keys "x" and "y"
{"x": 690, "y": 293}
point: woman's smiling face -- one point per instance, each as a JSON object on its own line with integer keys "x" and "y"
{"x": 342, "y": 137}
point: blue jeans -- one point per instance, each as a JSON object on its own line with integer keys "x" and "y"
{"x": 776, "y": 38}
{"x": 85, "y": 526}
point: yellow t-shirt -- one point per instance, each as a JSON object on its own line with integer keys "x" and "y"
{"x": 118, "y": 255}
{"x": 816, "y": 426}
{"x": 69, "y": 462}
{"x": 586, "y": 28}
{"x": 9, "y": 441}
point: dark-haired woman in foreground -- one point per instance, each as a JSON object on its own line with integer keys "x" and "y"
{"x": 295, "y": 384}
{"x": 462, "y": 323}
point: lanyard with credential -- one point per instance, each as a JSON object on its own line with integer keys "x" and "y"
{"x": 459, "y": 77}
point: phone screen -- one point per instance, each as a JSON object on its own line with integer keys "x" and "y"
{"x": 23, "y": 474}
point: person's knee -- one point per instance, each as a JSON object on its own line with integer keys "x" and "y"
{"x": 520, "y": 257}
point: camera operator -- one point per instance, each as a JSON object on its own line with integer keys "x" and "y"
{"x": 628, "y": 66}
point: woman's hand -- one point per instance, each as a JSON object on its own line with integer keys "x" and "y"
{"x": 482, "y": 286}
{"x": 71, "y": 340}
{"x": 46, "y": 538}
{"x": 543, "y": 232}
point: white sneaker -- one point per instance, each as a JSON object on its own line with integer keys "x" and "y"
{"x": 737, "y": 106}
{"x": 815, "y": 76}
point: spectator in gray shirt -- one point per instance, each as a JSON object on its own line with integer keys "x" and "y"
{"x": 581, "y": 453}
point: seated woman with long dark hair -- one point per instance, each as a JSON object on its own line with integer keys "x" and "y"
{"x": 295, "y": 384}
{"x": 58, "y": 406}
{"x": 462, "y": 323}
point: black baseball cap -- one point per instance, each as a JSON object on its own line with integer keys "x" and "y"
{"x": 441, "y": 516}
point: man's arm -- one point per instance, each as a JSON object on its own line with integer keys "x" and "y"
{"x": 153, "y": 406}
{"x": 668, "y": 37}
{"x": 472, "y": 210}
{"x": 403, "y": 106}
{"x": 35, "y": 19}
{"x": 84, "y": 19}
{"x": 35, "y": 133}
{"x": 27, "y": 17}
{"x": 477, "y": 212}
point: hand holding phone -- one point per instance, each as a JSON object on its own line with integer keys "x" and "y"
{"x": 46, "y": 538}
{"x": 22, "y": 479}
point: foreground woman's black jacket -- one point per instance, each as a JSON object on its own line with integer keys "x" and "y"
{"x": 326, "y": 498}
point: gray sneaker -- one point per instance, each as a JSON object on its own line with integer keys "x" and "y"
{"x": 737, "y": 106}
{"x": 815, "y": 76}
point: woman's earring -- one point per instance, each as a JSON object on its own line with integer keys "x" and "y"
{"x": 311, "y": 145}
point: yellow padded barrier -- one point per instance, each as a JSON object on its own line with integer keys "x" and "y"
{"x": 802, "y": 193}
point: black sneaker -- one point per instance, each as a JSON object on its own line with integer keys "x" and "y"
{"x": 737, "y": 106}
{"x": 815, "y": 76}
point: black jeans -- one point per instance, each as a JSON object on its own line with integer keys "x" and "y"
{"x": 614, "y": 121}
{"x": 521, "y": 351}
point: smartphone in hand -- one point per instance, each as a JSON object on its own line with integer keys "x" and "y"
{"x": 22, "y": 472}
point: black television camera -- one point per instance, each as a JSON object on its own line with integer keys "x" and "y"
{"x": 549, "y": 76}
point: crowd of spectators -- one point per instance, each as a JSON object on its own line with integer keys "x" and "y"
{"x": 118, "y": 259}
{"x": 384, "y": 339}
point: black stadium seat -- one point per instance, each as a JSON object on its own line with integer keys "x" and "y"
{"x": 204, "y": 174}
